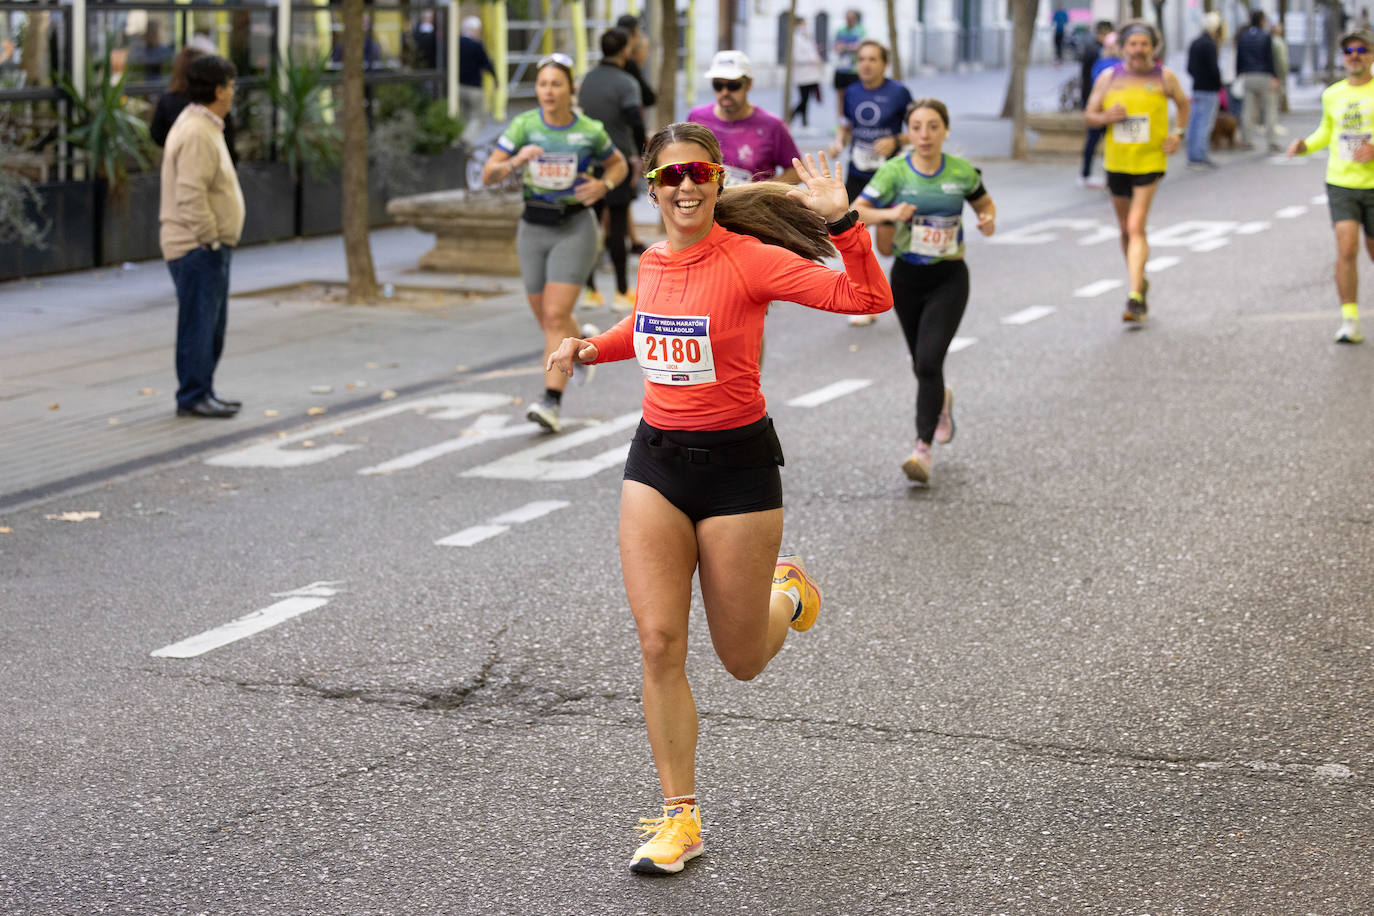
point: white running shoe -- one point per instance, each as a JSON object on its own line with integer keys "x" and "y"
{"x": 917, "y": 465}
{"x": 545, "y": 412}
{"x": 1350, "y": 332}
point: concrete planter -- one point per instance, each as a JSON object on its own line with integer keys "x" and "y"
{"x": 474, "y": 231}
{"x": 70, "y": 245}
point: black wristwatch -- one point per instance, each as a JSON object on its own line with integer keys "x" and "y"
{"x": 843, "y": 224}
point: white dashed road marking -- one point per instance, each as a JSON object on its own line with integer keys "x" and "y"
{"x": 1097, "y": 288}
{"x": 1164, "y": 263}
{"x": 961, "y": 343}
{"x": 486, "y": 428}
{"x": 502, "y": 523}
{"x": 294, "y": 603}
{"x": 830, "y": 392}
{"x": 1290, "y": 212}
{"x": 1252, "y": 228}
{"x": 1319, "y": 200}
{"x": 533, "y": 464}
{"x": 1210, "y": 245}
{"x": 1027, "y": 315}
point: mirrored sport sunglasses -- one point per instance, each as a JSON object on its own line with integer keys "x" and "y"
{"x": 1356, "y": 49}
{"x": 556, "y": 57}
{"x": 732, "y": 85}
{"x": 672, "y": 175}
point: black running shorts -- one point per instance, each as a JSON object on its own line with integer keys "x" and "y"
{"x": 1120, "y": 184}
{"x": 1351, "y": 204}
{"x": 706, "y": 473}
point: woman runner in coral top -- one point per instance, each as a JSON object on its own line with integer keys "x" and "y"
{"x": 702, "y": 492}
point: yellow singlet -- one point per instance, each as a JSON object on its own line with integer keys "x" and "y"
{"x": 1136, "y": 145}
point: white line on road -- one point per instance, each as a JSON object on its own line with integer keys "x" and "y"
{"x": 1319, "y": 200}
{"x": 830, "y": 392}
{"x": 502, "y": 523}
{"x": 1027, "y": 315}
{"x": 1290, "y": 212}
{"x": 1164, "y": 263}
{"x": 486, "y": 428}
{"x": 1210, "y": 245}
{"x": 1097, "y": 288}
{"x": 531, "y": 463}
{"x": 294, "y": 603}
{"x": 1251, "y": 228}
{"x": 961, "y": 343}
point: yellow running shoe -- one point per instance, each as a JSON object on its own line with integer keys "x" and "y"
{"x": 592, "y": 299}
{"x": 673, "y": 839}
{"x": 624, "y": 303}
{"x": 789, "y": 575}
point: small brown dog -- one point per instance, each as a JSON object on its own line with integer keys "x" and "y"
{"x": 1225, "y": 130}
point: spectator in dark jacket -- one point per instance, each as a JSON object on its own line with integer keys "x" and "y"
{"x": 1259, "y": 82}
{"x": 171, "y": 102}
{"x": 472, "y": 63}
{"x": 1206, "y": 74}
{"x": 1091, "y": 54}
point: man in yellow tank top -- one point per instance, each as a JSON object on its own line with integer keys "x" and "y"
{"x": 1131, "y": 100}
{"x": 1347, "y": 127}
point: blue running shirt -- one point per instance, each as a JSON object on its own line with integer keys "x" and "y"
{"x": 872, "y": 114}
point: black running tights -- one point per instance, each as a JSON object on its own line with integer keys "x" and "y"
{"x": 929, "y": 301}
{"x": 616, "y": 231}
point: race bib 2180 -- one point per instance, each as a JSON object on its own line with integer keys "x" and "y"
{"x": 674, "y": 349}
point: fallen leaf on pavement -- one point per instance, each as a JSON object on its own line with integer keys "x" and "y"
{"x": 147, "y": 391}
{"x": 316, "y": 411}
{"x": 340, "y": 431}
{"x": 73, "y": 516}
{"x": 388, "y": 395}
{"x": 308, "y": 443}
{"x": 372, "y": 365}
{"x": 54, "y": 406}
{"x": 460, "y": 368}
{"x": 269, "y": 413}
{"x": 5, "y": 529}
{"x": 114, "y": 421}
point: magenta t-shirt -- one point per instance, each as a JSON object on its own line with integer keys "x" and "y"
{"x": 753, "y": 148}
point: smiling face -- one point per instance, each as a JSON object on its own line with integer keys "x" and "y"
{"x": 553, "y": 89}
{"x": 688, "y": 209}
{"x": 1357, "y": 64}
{"x": 926, "y": 131}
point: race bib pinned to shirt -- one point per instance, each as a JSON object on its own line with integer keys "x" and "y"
{"x": 555, "y": 171}
{"x": 865, "y": 158}
{"x": 674, "y": 349}
{"x": 1131, "y": 129}
{"x": 1347, "y": 143}
{"x": 935, "y": 236}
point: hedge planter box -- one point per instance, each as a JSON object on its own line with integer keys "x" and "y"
{"x": 268, "y": 197}
{"x": 446, "y": 171}
{"x": 70, "y": 244}
{"x": 129, "y": 224}
{"x": 322, "y": 204}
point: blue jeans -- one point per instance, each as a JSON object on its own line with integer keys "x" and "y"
{"x": 1201, "y": 119}
{"x": 201, "y": 278}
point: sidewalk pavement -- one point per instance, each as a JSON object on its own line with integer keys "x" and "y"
{"x": 86, "y": 365}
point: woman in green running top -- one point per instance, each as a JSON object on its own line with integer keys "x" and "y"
{"x": 557, "y": 236}
{"x": 923, "y": 193}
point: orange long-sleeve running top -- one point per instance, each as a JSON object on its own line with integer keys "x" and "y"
{"x": 697, "y": 327}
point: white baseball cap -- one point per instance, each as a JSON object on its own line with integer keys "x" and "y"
{"x": 729, "y": 65}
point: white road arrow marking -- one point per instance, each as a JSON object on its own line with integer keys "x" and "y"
{"x": 1209, "y": 245}
{"x": 501, "y": 524}
{"x": 830, "y": 392}
{"x": 1319, "y": 200}
{"x": 1042, "y": 233}
{"x": 1157, "y": 264}
{"x": 1290, "y": 212}
{"x": 961, "y": 343}
{"x": 1191, "y": 232}
{"x": 1260, "y": 225}
{"x": 532, "y": 463}
{"x": 486, "y": 428}
{"x": 1027, "y": 315}
{"x": 293, "y": 604}
{"x": 1097, "y": 288}
{"x": 274, "y": 453}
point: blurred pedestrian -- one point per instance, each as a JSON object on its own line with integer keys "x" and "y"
{"x": 755, "y": 144}
{"x": 201, "y": 215}
{"x": 1260, "y": 83}
{"x": 1204, "y": 68}
{"x": 807, "y": 69}
{"x": 846, "y": 45}
{"x": 1060, "y": 19}
{"x": 635, "y": 62}
{"x": 472, "y": 63}
{"x": 171, "y": 102}
{"x": 1097, "y": 56}
{"x": 1281, "y": 63}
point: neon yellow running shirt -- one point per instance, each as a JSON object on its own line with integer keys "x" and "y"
{"x": 1347, "y": 122}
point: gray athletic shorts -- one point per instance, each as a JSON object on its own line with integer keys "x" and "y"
{"x": 1352, "y": 203}
{"x": 557, "y": 254}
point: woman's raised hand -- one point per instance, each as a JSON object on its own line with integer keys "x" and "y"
{"x": 824, "y": 192}
{"x": 570, "y": 352}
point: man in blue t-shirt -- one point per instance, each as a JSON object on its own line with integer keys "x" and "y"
{"x": 871, "y": 123}
{"x": 847, "y": 39}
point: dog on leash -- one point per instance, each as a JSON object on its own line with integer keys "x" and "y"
{"x": 1225, "y": 130}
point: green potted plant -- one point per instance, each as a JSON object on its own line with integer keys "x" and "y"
{"x": 307, "y": 139}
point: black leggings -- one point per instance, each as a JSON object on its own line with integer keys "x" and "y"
{"x": 1090, "y": 142}
{"x": 929, "y": 300}
{"x": 807, "y": 92}
{"x": 618, "y": 228}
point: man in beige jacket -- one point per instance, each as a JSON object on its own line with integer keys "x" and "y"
{"x": 202, "y": 219}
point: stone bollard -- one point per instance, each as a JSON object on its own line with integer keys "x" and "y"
{"x": 474, "y": 231}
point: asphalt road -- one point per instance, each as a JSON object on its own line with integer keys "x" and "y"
{"x": 1116, "y": 659}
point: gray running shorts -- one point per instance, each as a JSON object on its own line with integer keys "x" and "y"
{"x": 1352, "y": 204}
{"x": 557, "y": 254}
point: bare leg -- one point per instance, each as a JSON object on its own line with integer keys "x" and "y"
{"x": 1131, "y": 215}
{"x": 658, "y": 554}
{"x": 553, "y": 309}
{"x": 1347, "y": 260}
{"x": 748, "y": 621}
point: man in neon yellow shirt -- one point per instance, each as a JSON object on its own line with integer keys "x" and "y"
{"x": 1347, "y": 127}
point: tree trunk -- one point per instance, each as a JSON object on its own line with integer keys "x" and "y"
{"x": 362, "y": 275}
{"x": 725, "y": 24}
{"x": 666, "y": 106}
{"x": 790, "y": 33}
{"x": 894, "y": 46}
{"x": 1023, "y": 31}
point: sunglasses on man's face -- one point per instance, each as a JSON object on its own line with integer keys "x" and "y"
{"x": 732, "y": 85}
{"x": 672, "y": 175}
{"x": 1356, "y": 49}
